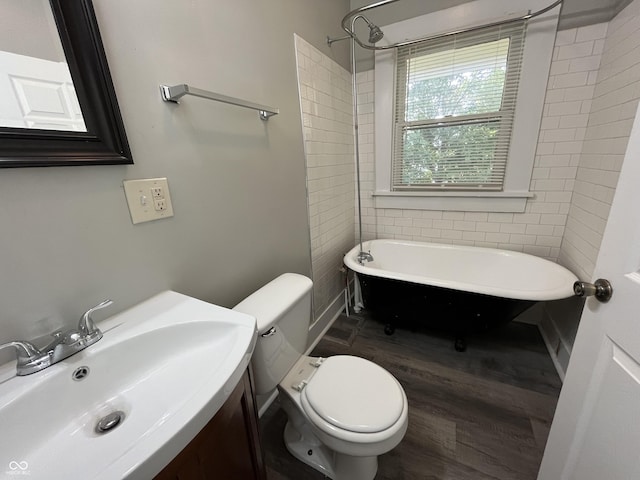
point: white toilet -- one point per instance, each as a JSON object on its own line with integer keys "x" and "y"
{"x": 343, "y": 411}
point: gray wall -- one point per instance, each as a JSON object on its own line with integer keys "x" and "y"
{"x": 237, "y": 183}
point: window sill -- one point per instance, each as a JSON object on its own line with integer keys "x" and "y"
{"x": 508, "y": 202}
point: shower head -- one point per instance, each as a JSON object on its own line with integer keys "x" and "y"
{"x": 375, "y": 34}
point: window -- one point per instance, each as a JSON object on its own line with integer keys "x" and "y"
{"x": 482, "y": 194}
{"x": 454, "y": 108}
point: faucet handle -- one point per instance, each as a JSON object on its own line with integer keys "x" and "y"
{"x": 25, "y": 350}
{"x": 30, "y": 359}
{"x": 86, "y": 325}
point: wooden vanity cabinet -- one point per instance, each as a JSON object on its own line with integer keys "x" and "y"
{"x": 228, "y": 447}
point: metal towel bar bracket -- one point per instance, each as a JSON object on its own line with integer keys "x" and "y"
{"x": 175, "y": 92}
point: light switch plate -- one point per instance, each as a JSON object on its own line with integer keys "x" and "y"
{"x": 149, "y": 199}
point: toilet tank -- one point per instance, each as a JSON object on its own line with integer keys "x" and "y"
{"x": 282, "y": 309}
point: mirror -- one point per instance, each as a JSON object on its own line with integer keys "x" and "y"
{"x": 57, "y": 101}
{"x": 36, "y": 88}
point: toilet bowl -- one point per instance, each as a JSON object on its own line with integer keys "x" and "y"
{"x": 343, "y": 411}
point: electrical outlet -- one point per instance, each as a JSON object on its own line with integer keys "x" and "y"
{"x": 160, "y": 204}
{"x": 148, "y": 199}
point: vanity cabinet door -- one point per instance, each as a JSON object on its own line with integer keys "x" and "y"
{"x": 228, "y": 447}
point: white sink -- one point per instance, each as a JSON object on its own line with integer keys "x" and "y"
{"x": 168, "y": 364}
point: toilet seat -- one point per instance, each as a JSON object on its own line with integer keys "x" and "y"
{"x": 354, "y": 395}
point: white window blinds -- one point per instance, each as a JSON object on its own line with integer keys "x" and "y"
{"x": 454, "y": 108}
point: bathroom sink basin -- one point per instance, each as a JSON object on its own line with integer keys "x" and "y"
{"x": 166, "y": 365}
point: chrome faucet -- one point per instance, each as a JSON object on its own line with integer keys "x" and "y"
{"x": 364, "y": 256}
{"x": 63, "y": 345}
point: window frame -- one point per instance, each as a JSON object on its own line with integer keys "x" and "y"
{"x": 503, "y": 115}
{"x": 536, "y": 64}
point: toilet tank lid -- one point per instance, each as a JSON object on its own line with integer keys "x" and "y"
{"x": 274, "y": 299}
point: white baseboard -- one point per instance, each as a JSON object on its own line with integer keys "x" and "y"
{"x": 325, "y": 320}
{"x": 552, "y": 354}
{"x": 558, "y": 350}
{"x": 265, "y": 401}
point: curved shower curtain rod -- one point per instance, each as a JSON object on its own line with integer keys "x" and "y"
{"x": 351, "y": 33}
{"x": 375, "y": 35}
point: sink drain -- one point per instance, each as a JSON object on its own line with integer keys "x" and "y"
{"x": 109, "y": 422}
{"x": 79, "y": 373}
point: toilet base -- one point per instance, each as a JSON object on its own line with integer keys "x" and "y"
{"x": 303, "y": 444}
{"x": 308, "y": 449}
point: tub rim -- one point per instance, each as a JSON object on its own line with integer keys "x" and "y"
{"x": 544, "y": 294}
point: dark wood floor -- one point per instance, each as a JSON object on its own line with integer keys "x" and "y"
{"x": 481, "y": 414}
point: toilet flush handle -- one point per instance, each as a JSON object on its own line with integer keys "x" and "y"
{"x": 269, "y": 333}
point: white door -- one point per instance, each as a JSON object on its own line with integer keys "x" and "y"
{"x": 37, "y": 93}
{"x": 595, "y": 433}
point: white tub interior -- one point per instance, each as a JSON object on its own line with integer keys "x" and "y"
{"x": 489, "y": 271}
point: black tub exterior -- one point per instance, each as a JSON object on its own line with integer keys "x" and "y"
{"x": 399, "y": 303}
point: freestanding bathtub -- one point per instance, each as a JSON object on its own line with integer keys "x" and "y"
{"x": 455, "y": 288}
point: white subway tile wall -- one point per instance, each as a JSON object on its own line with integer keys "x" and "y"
{"x": 591, "y": 101}
{"x": 613, "y": 108}
{"x": 540, "y": 229}
{"x": 326, "y": 105}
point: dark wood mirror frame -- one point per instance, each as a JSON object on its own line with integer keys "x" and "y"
{"x": 105, "y": 142}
